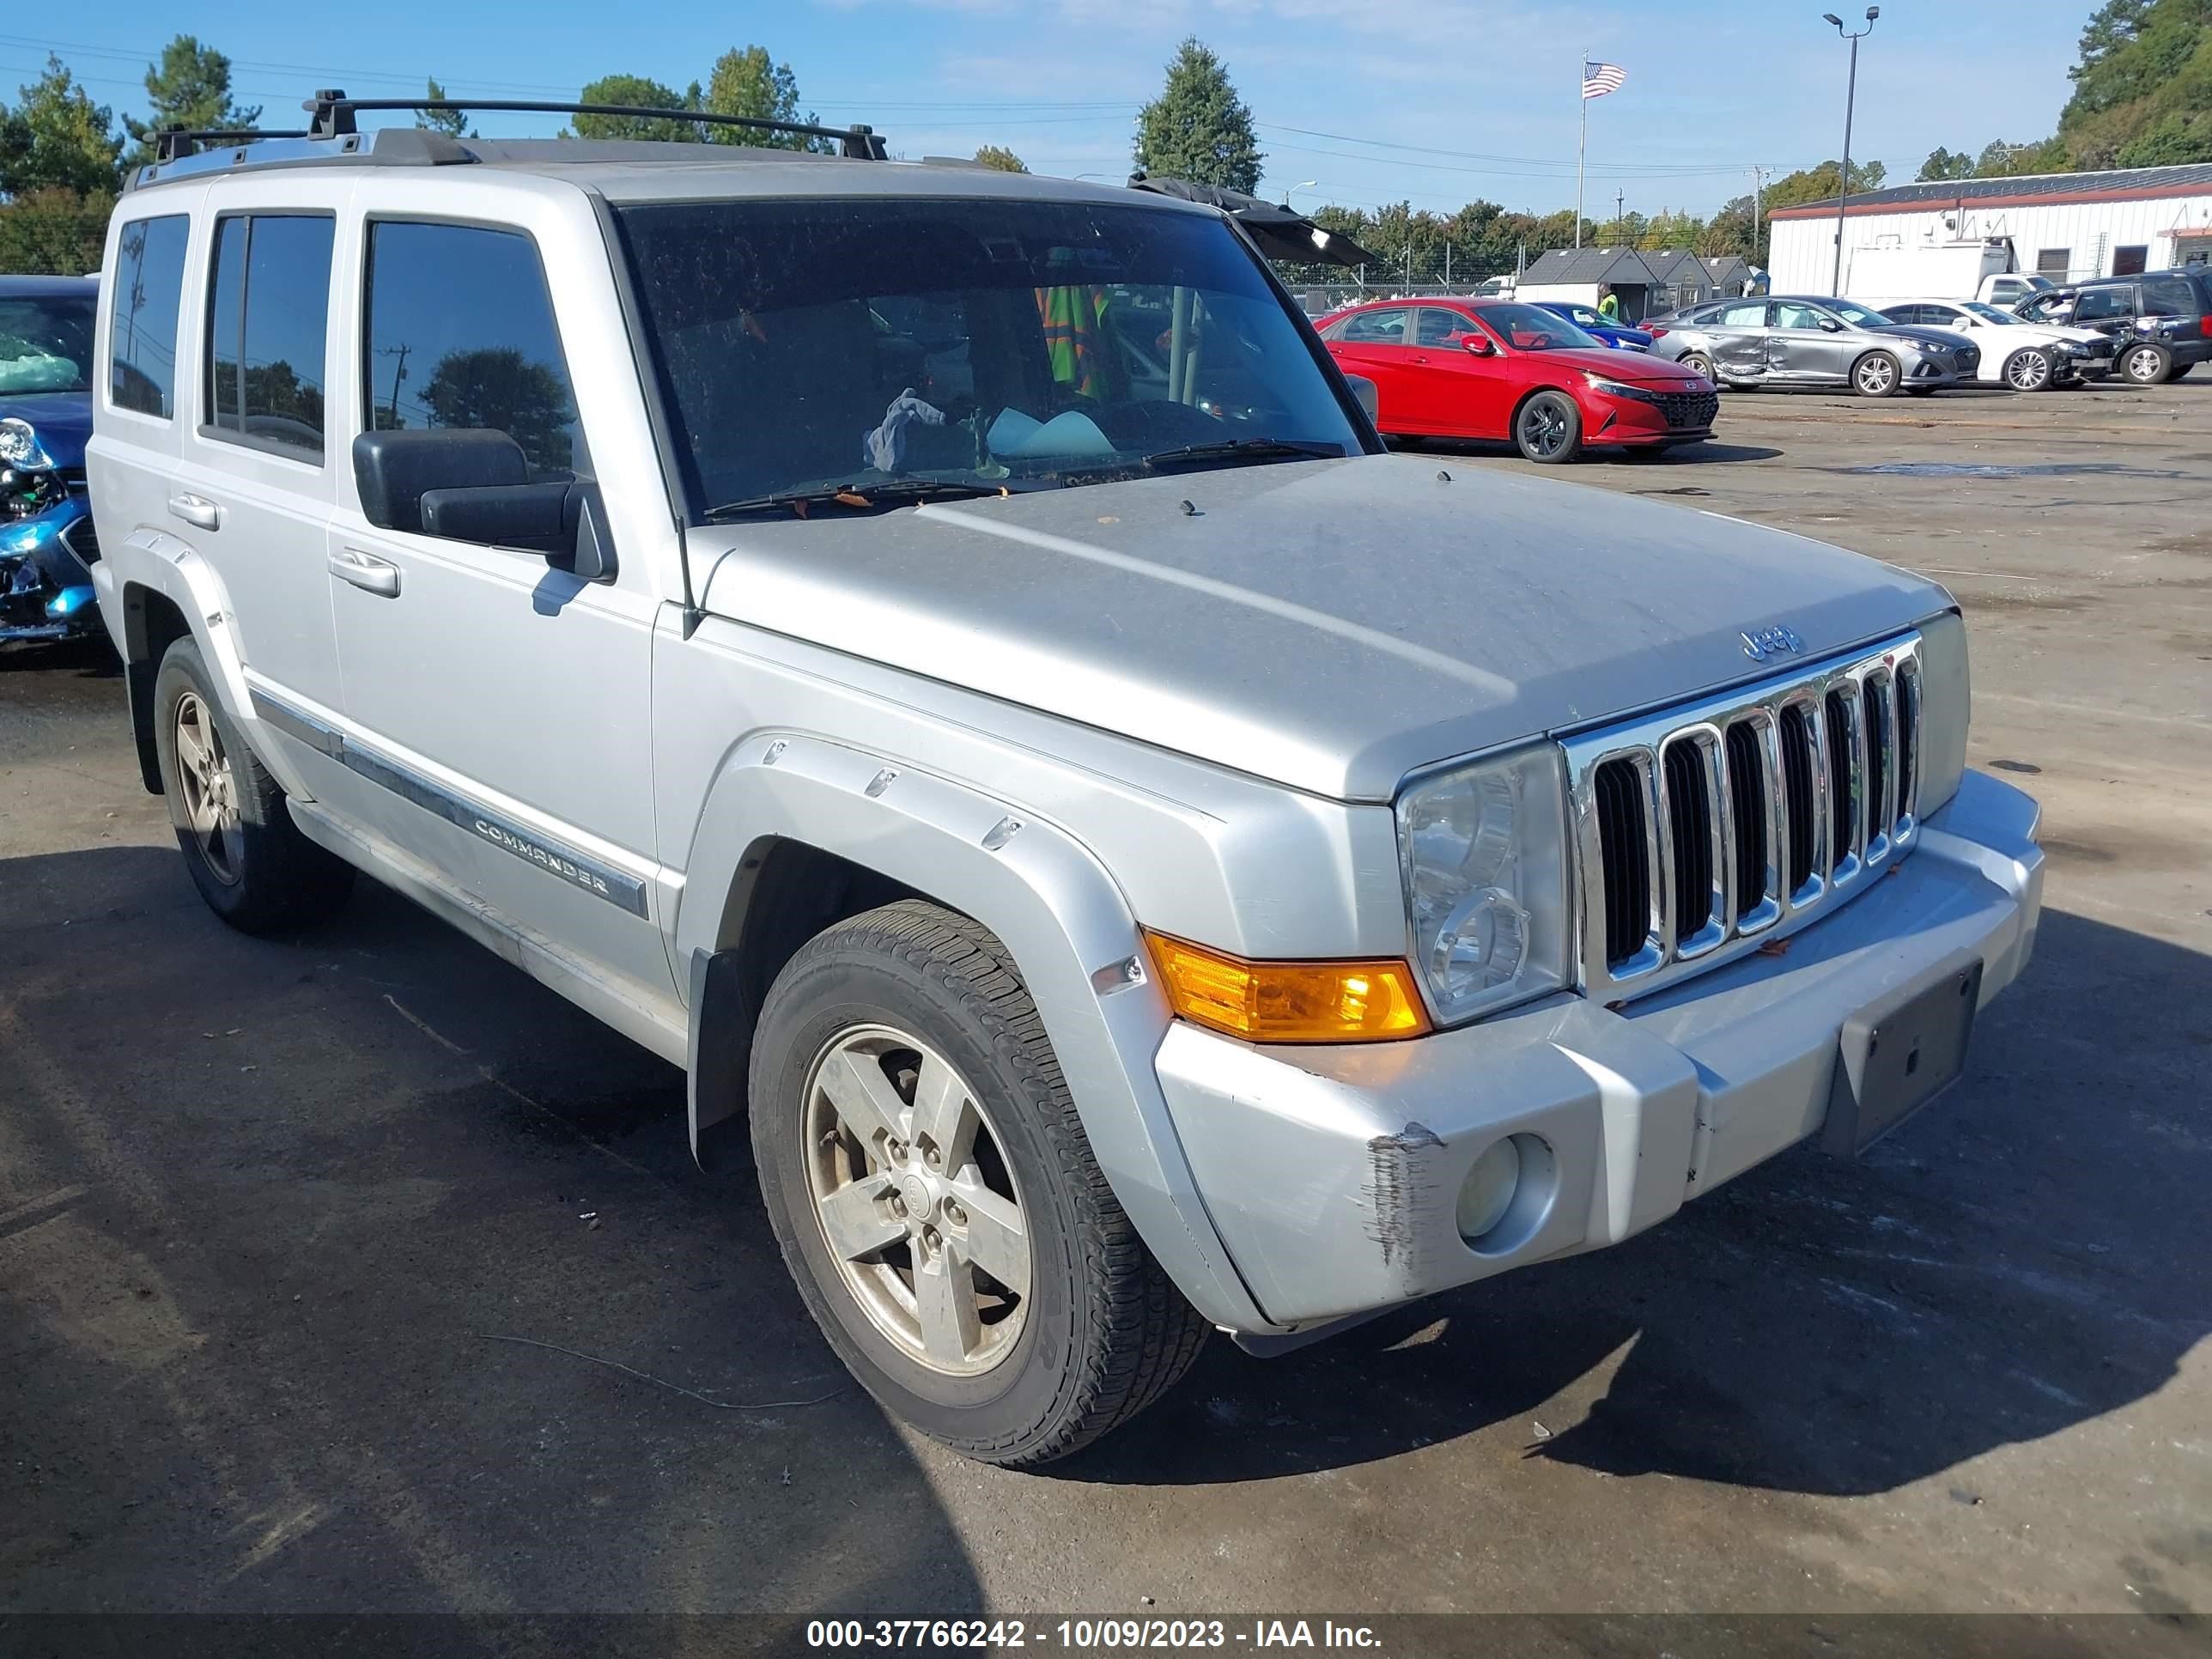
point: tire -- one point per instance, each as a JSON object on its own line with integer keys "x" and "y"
{"x": 250, "y": 862}
{"x": 1548, "y": 428}
{"x": 1877, "y": 374}
{"x": 1698, "y": 363}
{"x": 2146, "y": 365}
{"x": 2029, "y": 369}
{"x": 935, "y": 1004}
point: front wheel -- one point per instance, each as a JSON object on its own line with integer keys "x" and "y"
{"x": 2028, "y": 370}
{"x": 937, "y": 1202}
{"x": 1548, "y": 428}
{"x": 1875, "y": 375}
{"x": 2146, "y": 365}
{"x": 246, "y": 855}
{"x": 1698, "y": 363}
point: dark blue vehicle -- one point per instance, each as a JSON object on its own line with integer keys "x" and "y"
{"x": 47, "y": 543}
{"x": 1586, "y": 318}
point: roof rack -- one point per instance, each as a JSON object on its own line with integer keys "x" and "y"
{"x": 171, "y": 143}
{"x": 334, "y": 112}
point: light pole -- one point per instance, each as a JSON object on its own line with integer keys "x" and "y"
{"x": 1309, "y": 185}
{"x": 1850, "y": 98}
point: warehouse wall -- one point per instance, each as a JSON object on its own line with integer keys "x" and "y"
{"x": 1803, "y": 250}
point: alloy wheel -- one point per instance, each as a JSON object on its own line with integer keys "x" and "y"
{"x": 1876, "y": 375}
{"x": 1544, "y": 429}
{"x": 2028, "y": 371}
{"x": 916, "y": 1199}
{"x": 209, "y": 788}
{"x": 2145, "y": 364}
{"x": 1698, "y": 363}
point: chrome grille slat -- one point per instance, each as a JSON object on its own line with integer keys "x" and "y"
{"x": 1754, "y": 812}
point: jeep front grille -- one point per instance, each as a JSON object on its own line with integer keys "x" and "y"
{"x": 1705, "y": 830}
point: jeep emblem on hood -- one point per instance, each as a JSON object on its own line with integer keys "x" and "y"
{"x": 1760, "y": 644}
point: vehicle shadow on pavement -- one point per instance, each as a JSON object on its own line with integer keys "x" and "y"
{"x": 359, "y": 1274}
{"x": 2026, "y": 1255}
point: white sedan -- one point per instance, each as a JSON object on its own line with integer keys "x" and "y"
{"x": 2026, "y": 356}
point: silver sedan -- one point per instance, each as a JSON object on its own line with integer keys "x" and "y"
{"x": 1782, "y": 340}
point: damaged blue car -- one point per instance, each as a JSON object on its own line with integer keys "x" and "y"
{"x": 47, "y": 545}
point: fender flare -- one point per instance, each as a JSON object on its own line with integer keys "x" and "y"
{"x": 1049, "y": 900}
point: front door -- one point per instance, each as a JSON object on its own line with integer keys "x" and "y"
{"x": 1798, "y": 349}
{"x": 506, "y": 703}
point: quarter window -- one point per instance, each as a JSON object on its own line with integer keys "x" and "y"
{"x": 460, "y": 334}
{"x": 147, "y": 291}
{"x": 268, "y": 313}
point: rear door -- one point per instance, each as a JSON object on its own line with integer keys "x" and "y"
{"x": 1739, "y": 334}
{"x": 508, "y": 700}
{"x": 1378, "y": 344}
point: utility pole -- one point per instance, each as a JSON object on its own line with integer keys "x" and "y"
{"x": 1620, "y": 214}
{"x": 1582, "y": 146}
{"x": 1758, "y": 194}
{"x": 1850, "y": 100}
{"x": 398, "y": 374}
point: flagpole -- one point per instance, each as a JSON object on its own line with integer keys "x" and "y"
{"x": 1582, "y": 147}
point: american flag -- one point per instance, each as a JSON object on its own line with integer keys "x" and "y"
{"x": 1599, "y": 79}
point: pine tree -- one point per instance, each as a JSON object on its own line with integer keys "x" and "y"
{"x": 452, "y": 122}
{"x": 1198, "y": 128}
{"x": 190, "y": 88}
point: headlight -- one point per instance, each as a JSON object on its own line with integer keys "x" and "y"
{"x": 1483, "y": 849}
{"x": 1615, "y": 389}
{"x": 19, "y": 446}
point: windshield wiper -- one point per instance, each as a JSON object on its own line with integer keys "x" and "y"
{"x": 861, "y": 497}
{"x": 1254, "y": 450}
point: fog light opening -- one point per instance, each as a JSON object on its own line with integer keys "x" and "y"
{"x": 1507, "y": 1194}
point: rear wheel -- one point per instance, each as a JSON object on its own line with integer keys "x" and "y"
{"x": 937, "y": 1199}
{"x": 1548, "y": 428}
{"x": 248, "y": 859}
{"x": 2028, "y": 370}
{"x": 1875, "y": 375}
{"x": 2146, "y": 364}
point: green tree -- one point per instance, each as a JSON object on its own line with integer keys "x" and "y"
{"x": 452, "y": 122}
{"x": 2142, "y": 92}
{"x": 189, "y": 88}
{"x": 54, "y": 233}
{"x": 744, "y": 81}
{"x": 1198, "y": 128}
{"x": 1001, "y": 158}
{"x": 639, "y": 92}
{"x": 1943, "y": 164}
{"x": 56, "y": 139}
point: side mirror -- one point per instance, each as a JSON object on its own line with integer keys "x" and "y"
{"x": 474, "y": 485}
{"x": 1364, "y": 391}
{"x": 1829, "y": 326}
{"x": 1477, "y": 345}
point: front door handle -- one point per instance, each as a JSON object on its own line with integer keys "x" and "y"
{"x": 366, "y": 572}
{"x": 197, "y": 511}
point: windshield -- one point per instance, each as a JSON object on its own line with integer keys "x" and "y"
{"x": 1857, "y": 315}
{"x": 45, "y": 344}
{"x": 975, "y": 344}
{"x": 1532, "y": 328}
{"x": 1990, "y": 313}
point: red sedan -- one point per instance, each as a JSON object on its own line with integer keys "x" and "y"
{"x": 1490, "y": 368}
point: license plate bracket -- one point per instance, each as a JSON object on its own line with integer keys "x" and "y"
{"x": 1898, "y": 1053}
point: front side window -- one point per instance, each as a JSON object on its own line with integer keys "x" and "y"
{"x": 147, "y": 293}
{"x": 1790, "y": 314}
{"x": 2097, "y": 304}
{"x": 965, "y": 345}
{"x": 1437, "y": 326}
{"x": 459, "y": 334}
{"x": 268, "y": 317}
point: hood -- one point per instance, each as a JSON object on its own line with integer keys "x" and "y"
{"x": 1329, "y": 625}
{"x": 1611, "y": 363}
{"x": 63, "y": 421}
{"x": 1922, "y": 335}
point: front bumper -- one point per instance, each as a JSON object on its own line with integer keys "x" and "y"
{"x": 45, "y": 586}
{"x": 1333, "y": 1173}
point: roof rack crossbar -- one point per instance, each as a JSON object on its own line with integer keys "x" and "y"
{"x": 334, "y": 114}
{"x": 172, "y": 142}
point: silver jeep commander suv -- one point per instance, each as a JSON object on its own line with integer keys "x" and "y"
{"x": 944, "y": 657}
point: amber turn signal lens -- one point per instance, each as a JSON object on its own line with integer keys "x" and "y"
{"x": 1289, "y": 1001}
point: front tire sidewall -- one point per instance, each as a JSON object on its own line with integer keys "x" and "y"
{"x": 1569, "y": 451}
{"x": 2145, "y": 364}
{"x": 1868, "y": 378}
{"x": 2029, "y": 370}
{"x": 1026, "y": 1395}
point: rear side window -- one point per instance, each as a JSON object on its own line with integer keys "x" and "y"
{"x": 148, "y": 289}
{"x": 268, "y": 316}
{"x": 460, "y": 334}
{"x": 1745, "y": 316}
{"x": 2170, "y": 295}
{"x": 1376, "y": 328}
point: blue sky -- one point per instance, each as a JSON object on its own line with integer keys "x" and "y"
{"x": 1711, "y": 89}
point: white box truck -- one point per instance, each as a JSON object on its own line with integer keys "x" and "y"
{"x": 1945, "y": 270}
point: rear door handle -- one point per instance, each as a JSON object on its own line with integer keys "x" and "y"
{"x": 197, "y": 511}
{"x": 366, "y": 572}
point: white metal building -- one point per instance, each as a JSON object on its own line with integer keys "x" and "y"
{"x": 2067, "y": 226}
